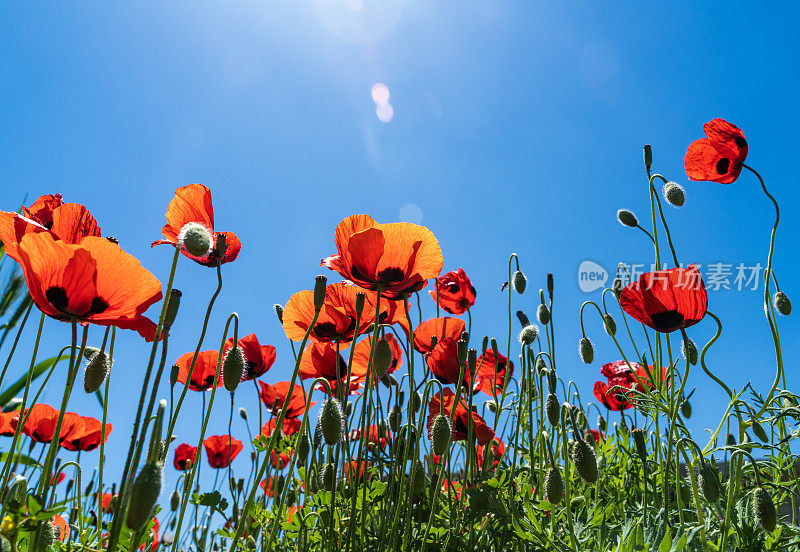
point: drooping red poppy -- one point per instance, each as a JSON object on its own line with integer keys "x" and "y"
{"x": 185, "y": 455}
{"x": 443, "y": 363}
{"x": 6, "y": 429}
{"x": 667, "y": 300}
{"x": 204, "y": 373}
{"x": 497, "y": 448}
{"x": 41, "y": 423}
{"x": 221, "y": 450}
{"x": 399, "y": 257}
{"x": 94, "y": 282}
{"x": 441, "y": 328}
{"x": 360, "y": 366}
{"x": 291, "y": 426}
{"x": 456, "y": 292}
{"x": 260, "y": 358}
{"x": 85, "y": 434}
{"x": 482, "y": 432}
{"x": 337, "y": 319}
{"x": 192, "y": 203}
{"x": 273, "y": 397}
{"x": 719, "y": 156}
{"x": 485, "y": 377}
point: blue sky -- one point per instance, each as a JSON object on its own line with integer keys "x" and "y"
{"x": 517, "y": 126}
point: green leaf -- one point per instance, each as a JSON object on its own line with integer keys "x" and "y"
{"x": 21, "y": 458}
{"x": 34, "y": 506}
{"x": 666, "y": 543}
{"x": 12, "y": 390}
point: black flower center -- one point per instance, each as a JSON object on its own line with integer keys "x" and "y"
{"x": 57, "y": 297}
{"x": 723, "y": 165}
{"x": 740, "y": 142}
{"x": 391, "y": 275}
{"x": 667, "y": 321}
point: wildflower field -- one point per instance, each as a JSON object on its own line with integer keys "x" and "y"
{"x": 392, "y": 426}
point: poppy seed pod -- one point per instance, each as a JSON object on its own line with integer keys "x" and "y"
{"x": 674, "y": 194}
{"x": 553, "y": 485}
{"x": 172, "y": 307}
{"x": 520, "y": 282}
{"x": 610, "y": 325}
{"x": 586, "y": 350}
{"x": 782, "y": 303}
{"x": 523, "y": 318}
{"x": 144, "y": 493}
{"x": 45, "y": 536}
{"x": 441, "y": 434}
{"x": 553, "y": 409}
{"x": 689, "y": 351}
{"x": 585, "y": 461}
{"x": 303, "y": 448}
{"x": 383, "y": 358}
{"x": 543, "y": 314}
{"x": 173, "y": 375}
{"x": 279, "y": 312}
{"x": 196, "y": 239}
{"x": 764, "y": 509}
{"x": 709, "y": 483}
{"x": 320, "y": 284}
{"x": 648, "y": 156}
{"x": 331, "y": 420}
{"x": 96, "y": 372}
{"x": 627, "y": 218}
{"x": 361, "y": 297}
{"x": 175, "y": 500}
{"x": 641, "y": 447}
{"x": 233, "y": 367}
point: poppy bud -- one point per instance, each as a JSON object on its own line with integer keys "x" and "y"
{"x": 648, "y": 156}
{"x": 96, "y": 372}
{"x": 5, "y": 546}
{"x": 395, "y": 418}
{"x": 173, "y": 375}
{"x": 383, "y": 358}
{"x": 331, "y": 420}
{"x": 543, "y": 314}
{"x": 441, "y": 434}
{"x": 303, "y": 448}
{"x": 689, "y": 351}
{"x": 144, "y": 494}
{"x": 641, "y": 447}
{"x": 279, "y": 312}
{"x": 15, "y": 496}
{"x": 541, "y": 366}
{"x": 627, "y": 218}
{"x": 585, "y": 461}
{"x": 758, "y": 429}
{"x": 586, "y": 350}
{"x": 674, "y": 194}
{"x": 461, "y": 351}
{"x": 617, "y": 286}
{"x": 319, "y": 291}
{"x": 196, "y": 239}
{"x": 764, "y": 509}
{"x": 520, "y": 282}
{"x": 709, "y": 483}
{"x": 418, "y": 480}
{"x": 175, "y": 500}
{"x": 553, "y": 485}
{"x": 552, "y": 380}
{"x": 250, "y": 543}
{"x": 45, "y": 536}
{"x": 416, "y": 402}
{"x": 491, "y": 405}
{"x": 360, "y": 299}
{"x": 686, "y": 409}
{"x": 553, "y": 409}
{"x": 243, "y": 414}
{"x": 731, "y": 440}
{"x": 550, "y": 284}
{"x": 686, "y": 494}
{"x": 577, "y": 502}
{"x": 485, "y": 343}
{"x": 523, "y": 318}
{"x": 601, "y": 423}
{"x": 233, "y": 367}
{"x": 327, "y": 478}
{"x": 782, "y": 303}
{"x": 611, "y": 326}
{"x": 172, "y": 307}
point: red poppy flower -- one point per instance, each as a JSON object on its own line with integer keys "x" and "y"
{"x": 108, "y": 500}
{"x": 360, "y": 366}
{"x": 456, "y": 292}
{"x": 352, "y": 471}
{"x": 667, "y": 300}
{"x": 156, "y": 540}
{"x": 204, "y": 373}
{"x": 94, "y": 281}
{"x": 41, "y": 423}
{"x": 269, "y": 486}
{"x": 374, "y": 436}
{"x": 719, "y": 156}
{"x": 291, "y": 426}
{"x": 400, "y": 257}
{"x": 443, "y": 363}
{"x": 337, "y": 319}
{"x": 273, "y": 397}
{"x": 61, "y": 528}
{"x": 6, "y": 429}
{"x": 485, "y": 376}
{"x": 622, "y": 376}
{"x": 392, "y": 311}
{"x": 185, "y": 455}
{"x": 70, "y": 222}
{"x": 596, "y": 435}
{"x": 498, "y": 449}
{"x": 56, "y": 480}
{"x": 320, "y": 360}
{"x": 260, "y": 358}
{"x": 221, "y": 450}
{"x": 441, "y": 328}
{"x": 85, "y": 434}
{"x": 454, "y": 487}
{"x": 192, "y": 203}
{"x": 279, "y": 460}
{"x": 482, "y": 432}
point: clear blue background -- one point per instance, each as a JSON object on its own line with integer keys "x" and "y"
{"x": 518, "y": 126}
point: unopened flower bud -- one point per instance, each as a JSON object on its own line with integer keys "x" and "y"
{"x": 686, "y": 409}
{"x": 319, "y": 291}
{"x": 610, "y": 325}
{"x": 461, "y": 351}
{"x": 689, "y": 351}
{"x": 577, "y": 502}
{"x": 617, "y": 286}
{"x": 243, "y": 413}
{"x": 303, "y": 448}
{"x": 550, "y": 284}
{"x": 196, "y": 239}
{"x": 279, "y": 312}
{"x": 173, "y": 375}
{"x": 523, "y": 318}
{"x": 641, "y": 446}
{"x": 383, "y": 358}
{"x": 45, "y": 536}
{"x": 172, "y": 307}
{"x": 519, "y": 281}
{"x": 543, "y": 314}
{"x": 96, "y": 372}
{"x": 627, "y": 218}
{"x": 586, "y": 350}
{"x": 709, "y": 483}
{"x": 331, "y": 420}
{"x": 759, "y": 432}
{"x": 144, "y": 494}
{"x": 233, "y": 367}
{"x": 327, "y": 478}
{"x": 553, "y": 409}
{"x": 601, "y": 423}
{"x": 764, "y": 509}
{"x": 730, "y": 440}
{"x": 585, "y": 461}
{"x": 441, "y": 434}
{"x": 175, "y": 500}
{"x": 491, "y": 405}
{"x": 648, "y": 156}
{"x": 416, "y": 401}
{"x": 395, "y": 418}
{"x": 674, "y": 194}
{"x": 553, "y": 485}
{"x": 782, "y": 303}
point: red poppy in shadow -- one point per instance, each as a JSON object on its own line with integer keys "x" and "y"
{"x": 443, "y": 363}
{"x": 92, "y": 282}
{"x": 205, "y": 370}
{"x": 666, "y": 300}
{"x": 486, "y": 376}
{"x": 374, "y": 436}
{"x": 497, "y": 448}
{"x": 279, "y": 460}
{"x": 440, "y": 328}
{"x": 85, "y": 434}
{"x": 621, "y": 377}
{"x": 337, "y": 319}
{"x": 192, "y": 203}
{"x": 271, "y": 486}
{"x": 355, "y": 472}
{"x": 41, "y": 423}
{"x": 260, "y": 358}
{"x": 456, "y": 292}
{"x": 221, "y": 450}
{"x": 719, "y": 156}
{"x": 273, "y": 397}
{"x": 399, "y": 257}
{"x": 360, "y": 366}
{"x": 291, "y": 426}
{"x": 185, "y": 455}
{"x": 443, "y": 403}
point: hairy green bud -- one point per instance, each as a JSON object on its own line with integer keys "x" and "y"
{"x": 553, "y": 485}
{"x": 144, "y": 493}
{"x": 586, "y": 350}
{"x": 764, "y": 509}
